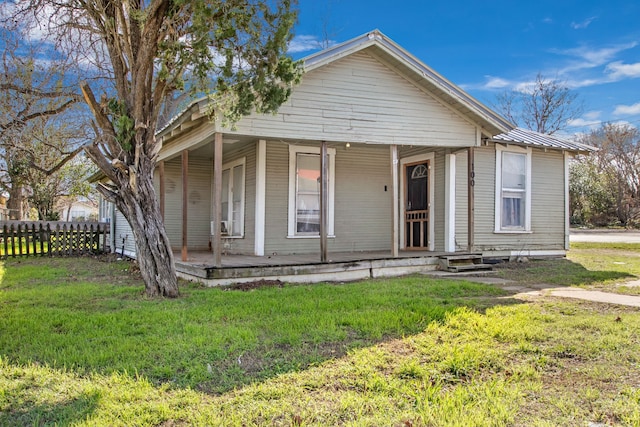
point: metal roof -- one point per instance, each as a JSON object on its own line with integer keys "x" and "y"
{"x": 536, "y": 139}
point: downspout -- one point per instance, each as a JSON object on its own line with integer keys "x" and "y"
{"x": 112, "y": 228}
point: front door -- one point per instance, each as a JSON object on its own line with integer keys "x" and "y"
{"x": 417, "y": 205}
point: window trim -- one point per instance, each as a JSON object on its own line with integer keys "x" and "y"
{"x": 500, "y": 149}
{"x": 294, "y": 150}
{"x": 229, "y": 166}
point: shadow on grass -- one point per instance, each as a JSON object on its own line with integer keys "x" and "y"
{"x": 213, "y": 340}
{"x": 21, "y": 411}
{"x": 556, "y": 272}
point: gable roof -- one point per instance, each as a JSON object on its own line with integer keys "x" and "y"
{"x": 401, "y": 61}
{"x": 535, "y": 139}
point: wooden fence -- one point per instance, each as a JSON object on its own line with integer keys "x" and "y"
{"x": 20, "y": 238}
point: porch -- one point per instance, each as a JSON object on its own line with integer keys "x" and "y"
{"x": 307, "y": 268}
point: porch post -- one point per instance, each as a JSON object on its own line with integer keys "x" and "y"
{"x": 324, "y": 200}
{"x": 567, "y": 209}
{"x": 162, "y": 188}
{"x": 216, "y": 243}
{"x": 470, "y": 199}
{"x": 261, "y": 194}
{"x": 185, "y": 190}
{"x": 394, "y": 200}
{"x": 450, "y": 203}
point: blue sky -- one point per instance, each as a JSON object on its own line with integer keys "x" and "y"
{"x": 489, "y": 46}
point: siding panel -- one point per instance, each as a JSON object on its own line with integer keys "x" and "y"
{"x": 362, "y": 206}
{"x": 359, "y": 99}
{"x": 547, "y": 204}
{"x": 199, "y": 202}
{"x": 123, "y": 235}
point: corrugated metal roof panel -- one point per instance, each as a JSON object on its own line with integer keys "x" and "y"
{"x": 536, "y": 139}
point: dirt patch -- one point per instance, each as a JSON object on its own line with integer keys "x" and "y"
{"x": 249, "y": 286}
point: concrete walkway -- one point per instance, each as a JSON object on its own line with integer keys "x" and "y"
{"x": 607, "y": 236}
{"x": 542, "y": 290}
{"x": 596, "y": 296}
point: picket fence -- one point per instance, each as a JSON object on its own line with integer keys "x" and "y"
{"x": 26, "y": 238}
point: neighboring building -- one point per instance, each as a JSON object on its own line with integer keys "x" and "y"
{"x": 79, "y": 210}
{"x": 413, "y": 164}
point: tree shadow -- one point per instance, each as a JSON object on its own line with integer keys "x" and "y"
{"x": 19, "y": 410}
{"x": 556, "y": 273}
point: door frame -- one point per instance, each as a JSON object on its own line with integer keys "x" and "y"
{"x": 418, "y": 158}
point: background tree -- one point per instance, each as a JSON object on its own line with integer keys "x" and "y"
{"x": 47, "y": 181}
{"x": 31, "y": 90}
{"x": 235, "y": 51}
{"x": 591, "y": 201}
{"x": 616, "y": 167}
{"x": 545, "y": 105}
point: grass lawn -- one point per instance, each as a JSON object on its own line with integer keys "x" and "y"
{"x": 602, "y": 266}
{"x": 80, "y": 345}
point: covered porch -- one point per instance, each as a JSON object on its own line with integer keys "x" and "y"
{"x": 307, "y": 268}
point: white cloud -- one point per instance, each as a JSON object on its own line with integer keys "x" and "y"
{"x": 547, "y": 20}
{"x": 592, "y": 115}
{"x": 584, "y": 123}
{"x": 306, "y": 43}
{"x": 627, "y": 110}
{"x": 496, "y": 83}
{"x": 592, "y": 57}
{"x": 617, "y": 70}
{"x": 576, "y": 84}
{"x": 584, "y": 24}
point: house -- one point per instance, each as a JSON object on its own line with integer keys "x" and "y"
{"x": 374, "y": 153}
{"x": 79, "y": 210}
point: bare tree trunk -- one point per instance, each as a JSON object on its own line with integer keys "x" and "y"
{"x": 15, "y": 202}
{"x": 153, "y": 249}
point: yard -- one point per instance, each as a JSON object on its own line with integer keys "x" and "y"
{"x": 80, "y": 345}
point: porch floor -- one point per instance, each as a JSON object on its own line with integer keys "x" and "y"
{"x": 305, "y": 268}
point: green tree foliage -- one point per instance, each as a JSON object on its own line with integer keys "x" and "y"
{"x": 591, "y": 201}
{"x": 606, "y": 185}
{"x": 232, "y": 50}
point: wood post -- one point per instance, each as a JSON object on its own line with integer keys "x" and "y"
{"x": 185, "y": 202}
{"x": 216, "y": 238}
{"x": 261, "y": 196}
{"x": 394, "y": 200}
{"x": 470, "y": 199}
{"x": 450, "y": 203}
{"x": 324, "y": 200}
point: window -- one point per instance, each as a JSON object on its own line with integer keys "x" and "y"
{"x": 233, "y": 198}
{"x": 513, "y": 189}
{"x": 304, "y": 191}
{"x": 307, "y": 193}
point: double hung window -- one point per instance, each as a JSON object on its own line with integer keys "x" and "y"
{"x": 513, "y": 190}
{"x": 304, "y": 191}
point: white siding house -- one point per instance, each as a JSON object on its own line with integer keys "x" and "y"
{"x": 400, "y": 143}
